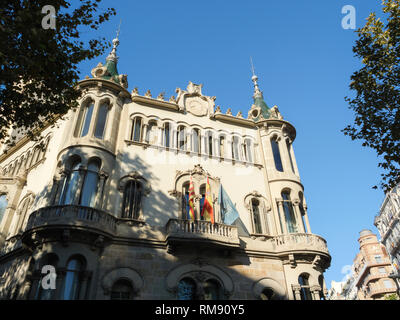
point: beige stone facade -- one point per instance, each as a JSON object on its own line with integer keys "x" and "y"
{"x": 102, "y": 199}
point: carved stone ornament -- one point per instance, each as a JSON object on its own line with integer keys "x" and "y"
{"x": 194, "y": 102}
{"x": 161, "y": 96}
{"x": 274, "y": 113}
{"x": 148, "y": 94}
{"x": 135, "y": 92}
{"x": 229, "y": 112}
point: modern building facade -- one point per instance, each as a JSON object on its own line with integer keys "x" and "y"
{"x": 104, "y": 199}
{"x": 372, "y": 268}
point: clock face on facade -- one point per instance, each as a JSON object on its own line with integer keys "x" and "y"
{"x": 196, "y": 106}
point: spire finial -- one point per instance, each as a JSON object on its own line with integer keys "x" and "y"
{"x": 113, "y": 54}
{"x": 254, "y": 78}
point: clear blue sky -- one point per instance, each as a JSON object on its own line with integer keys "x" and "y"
{"x": 304, "y": 60}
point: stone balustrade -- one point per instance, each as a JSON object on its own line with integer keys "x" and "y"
{"x": 298, "y": 242}
{"x": 73, "y": 215}
{"x": 184, "y": 230}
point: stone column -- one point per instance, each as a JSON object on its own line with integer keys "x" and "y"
{"x": 159, "y": 136}
{"x": 315, "y": 292}
{"x": 84, "y": 281}
{"x": 81, "y": 180}
{"x": 297, "y": 212}
{"x": 36, "y": 277}
{"x": 281, "y": 216}
{"x": 60, "y": 186}
{"x": 143, "y": 138}
{"x": 296, "y": 288}
{"x": 306, "y": 218}
{"x": 99, "y": 196}
{"x": 61, "y": 272}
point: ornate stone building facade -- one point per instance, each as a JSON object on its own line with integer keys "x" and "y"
{"x": 103, "y": 199}
{"x": 372, "y": 268}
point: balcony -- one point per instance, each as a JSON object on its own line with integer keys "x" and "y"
{"x": 378, "y": 291}
{"x": 299, "y": 242}
{"x": 202, "y": 233}
{"x": 73, "y": 216}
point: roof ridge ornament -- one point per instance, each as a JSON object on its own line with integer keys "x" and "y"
{"x": 109, "y": 70}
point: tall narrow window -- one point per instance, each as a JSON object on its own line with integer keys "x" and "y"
{"x": 101, "y": 121}
{"x": 136, "y": 129}
{"x": 247, "y": 150}
{"x": 203, "y": 197}
{"x": 210, "y": 143}
{"x": 181, "y": 138}
{"x": 277, "y": 155}
{"x": 186, "y": 289}
{"x": 222, "y": 146}
{"x": 86, "y": 120}
{"x": 196, "y": 140}
{"x": 71, "y": 281}
{"x": 132, "y": 200}
{"x": 90, "y": 185}
{"x": 305, "y": 287}
{"x": 166, "y": 135}
{"x": 255, "y": 204}
{"x": 70, "y": 188}
{"x": 3, "y": 206}
{"x": 290, "y": 155}
{"x": 151, "y": 135}
{"x": 185, "y": 202}
{"x": 121, "y": 290}
{"x": 289, "y": 213}
{"x": 235, "y": 148}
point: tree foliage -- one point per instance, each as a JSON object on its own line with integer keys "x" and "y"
{"x": 38, "y": 67}
{"x": 377, "y": 86}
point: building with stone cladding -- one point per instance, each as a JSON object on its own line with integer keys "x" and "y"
{"x": 372, "y": 268}
{"x": 388, "y": 225}
{"x": 105, "y": 200}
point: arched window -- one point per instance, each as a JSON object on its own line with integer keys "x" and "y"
{"x": 305, "y": 291}
{"x": 121, "y": 290}
{"x": 166, "y": 135}
{"x": 41, "y": 293}
{"x": 136, "y": 129}
{"x": 102, "y": 114}
{"x": 268, "y": 294}
{"x": 277, "y": 154}
{"x": 247, "y": 150}
{"x": 235, "y": 148}
{"x": 290, "y": 154}
{"x": 211, "y": 289}
{"x": 289, "y": 212}
{"x": 84, "y": 120}
{"x": 132, "y": 199}
{"x": 3, "y": 206}
{"x": 71, "y": 286}
{"x": 255, "y": 204}
{"x": 186, "y": 289}
{"x": 70, "y": 187}
{"x": 221, "y": 146}
{"x": 181, "y": 142}
{"x": 90, "y": 185}
{"x": 196, "y": 140}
